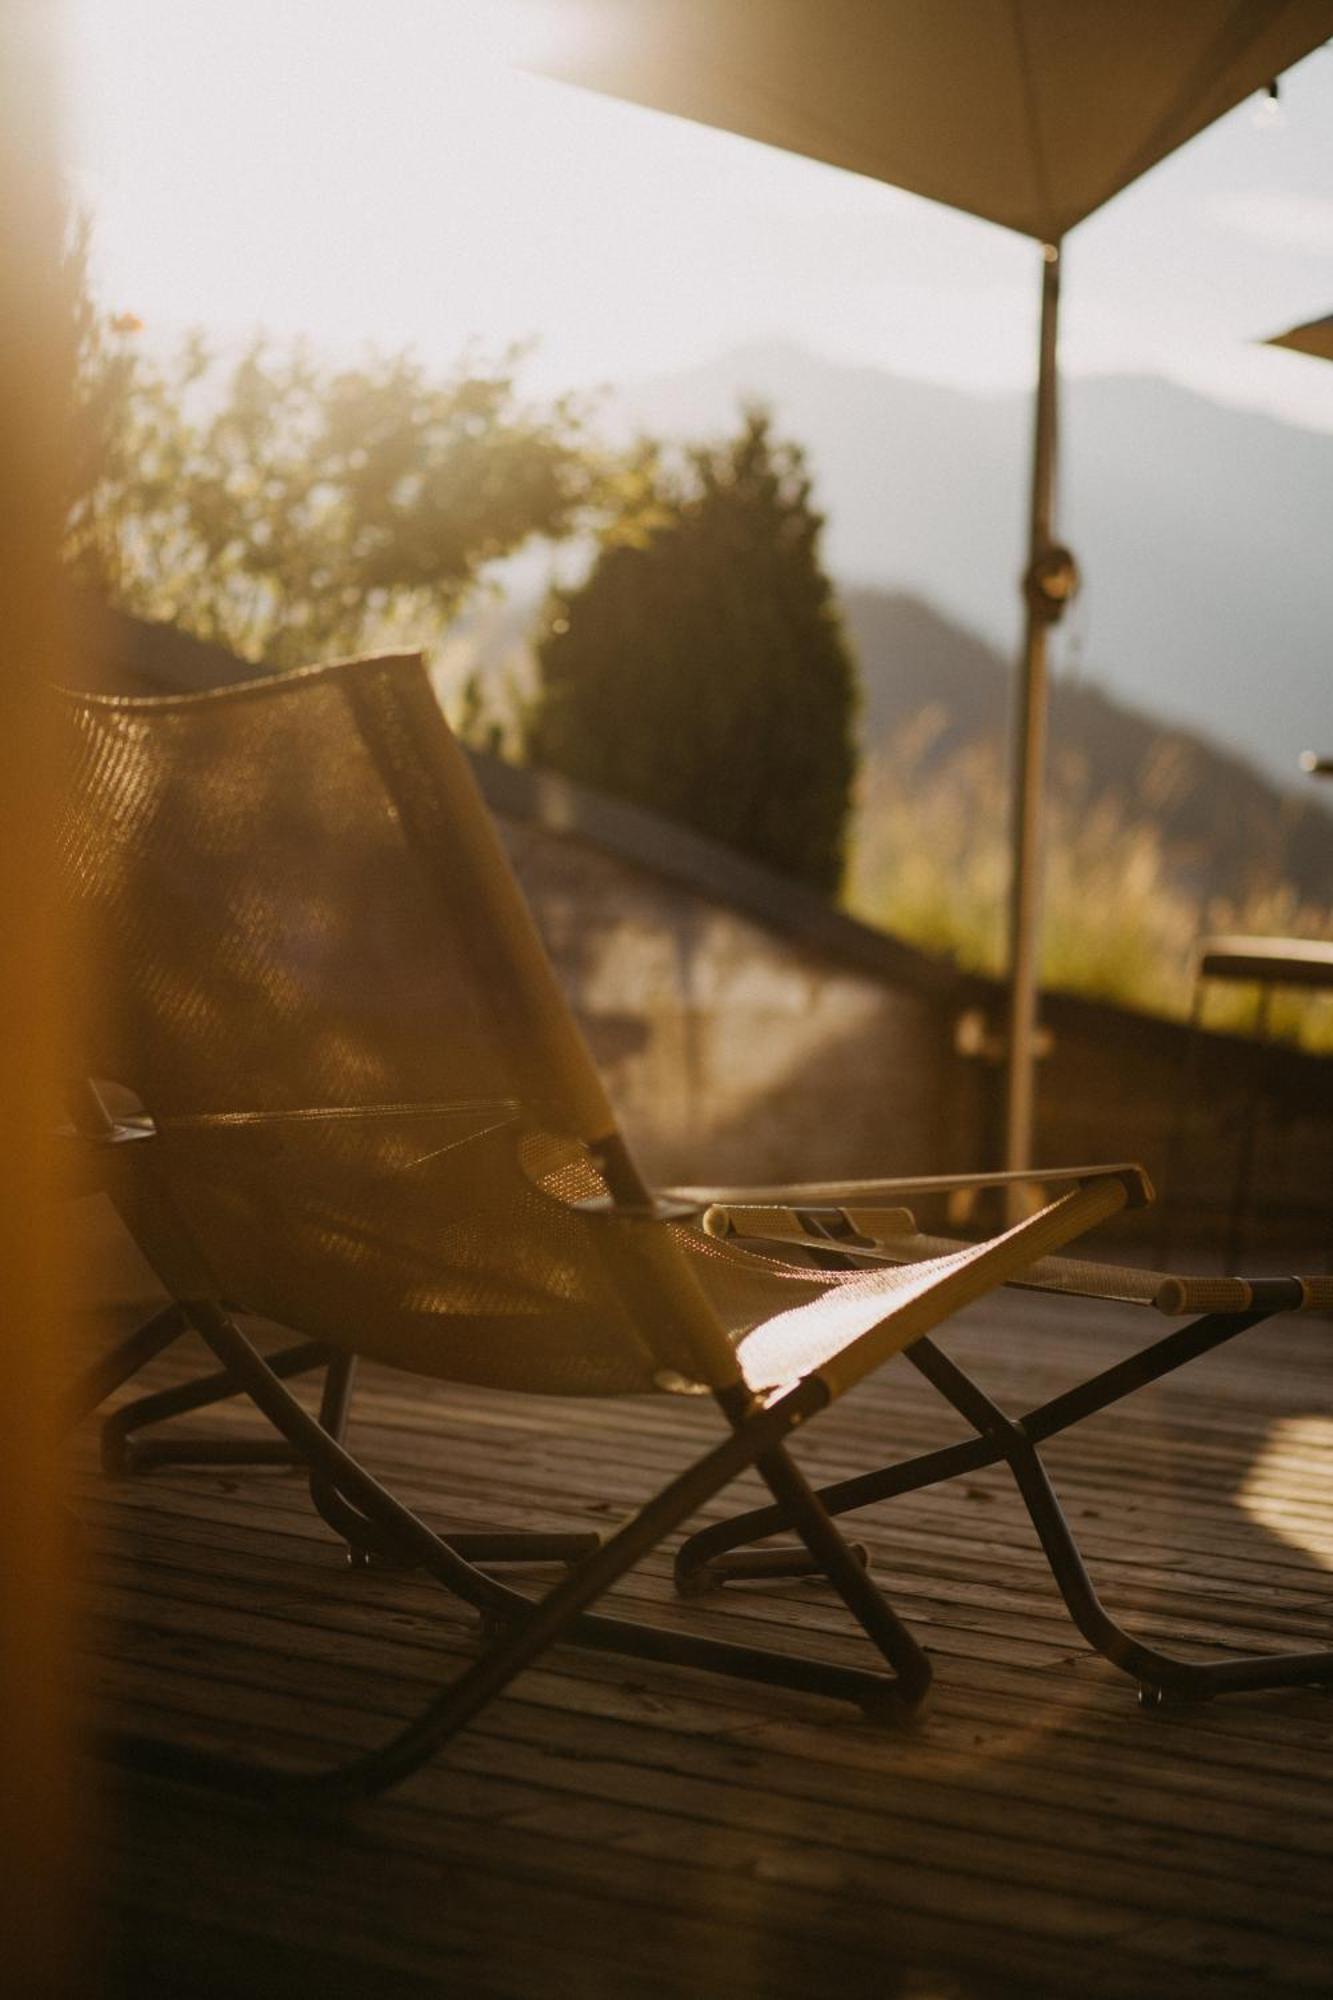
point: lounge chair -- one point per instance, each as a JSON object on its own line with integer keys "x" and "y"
{"x": 369, "y": 1118}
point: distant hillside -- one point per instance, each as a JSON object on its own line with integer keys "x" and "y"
{"x": 1226, "y": 825}
{"x": 1205, "y": 533}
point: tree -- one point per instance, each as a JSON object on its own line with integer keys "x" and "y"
{"x": 99, "y": 364}
{"x": 289, "y": 511}
{"x": 701, "y": 670}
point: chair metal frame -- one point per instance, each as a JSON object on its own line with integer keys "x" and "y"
{"x": 518, "y": 1626}
{"x": 626, "y": 1232}
{"x": 442, "y": 819}
{"x": 122, "y": 1451}
{"x": 124, "y": 1454}
{"x": 717, "y": 1554}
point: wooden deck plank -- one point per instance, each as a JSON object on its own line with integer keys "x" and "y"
{"x": 622, "y": 1828}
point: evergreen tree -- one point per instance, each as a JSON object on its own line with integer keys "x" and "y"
{"x": 701, "y": 670}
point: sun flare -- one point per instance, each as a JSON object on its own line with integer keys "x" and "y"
{"x": 393, "y": 174}
{"x": 1286, "y": 1488}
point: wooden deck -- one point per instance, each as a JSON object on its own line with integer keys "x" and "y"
{"x": 618, "y": 1830}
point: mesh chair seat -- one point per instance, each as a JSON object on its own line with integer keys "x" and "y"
{"x": 783, "y": 1336}
{"x": 386, "y": 1241}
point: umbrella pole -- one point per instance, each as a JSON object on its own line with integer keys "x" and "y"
{"x": 1030, "y": 753}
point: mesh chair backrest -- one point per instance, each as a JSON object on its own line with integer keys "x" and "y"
{"x": 372, "y": 1101}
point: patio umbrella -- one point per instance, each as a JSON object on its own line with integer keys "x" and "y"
{"x": 1315, "y": 337}
{"x": 1029, "y": 113}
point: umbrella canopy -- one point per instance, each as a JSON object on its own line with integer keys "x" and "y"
{"x": 1315, "y": 337}
{"x": 1028, "y": 113}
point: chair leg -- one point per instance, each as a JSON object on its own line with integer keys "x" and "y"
{"x": 367, "y": 1547}
{"x": 525, "y": 1627}
{"x": 335, "y": 1405}
{"x": 123, "y": 1454}
{"x": 125, "y": 1359}
{"x": 1161, "y": 1675}
{"x": 720, "y": 1554}
{"x": 846, "y": 1569}
{"x": 706, "y": 1557}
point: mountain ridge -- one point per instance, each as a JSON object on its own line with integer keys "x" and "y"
{"x": 1202, "y": 531}
{"x": 1227, "y": 826}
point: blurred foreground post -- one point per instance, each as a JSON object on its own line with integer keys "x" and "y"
{"x": 38, "y": 1929}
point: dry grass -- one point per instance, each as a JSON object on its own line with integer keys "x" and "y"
{"x": 1121, "y": 919}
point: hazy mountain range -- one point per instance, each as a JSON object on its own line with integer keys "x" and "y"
{"x": 1205, "y": 534}
{"x": 1225, "y": 825}
{"x": 1198, "y": 661}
